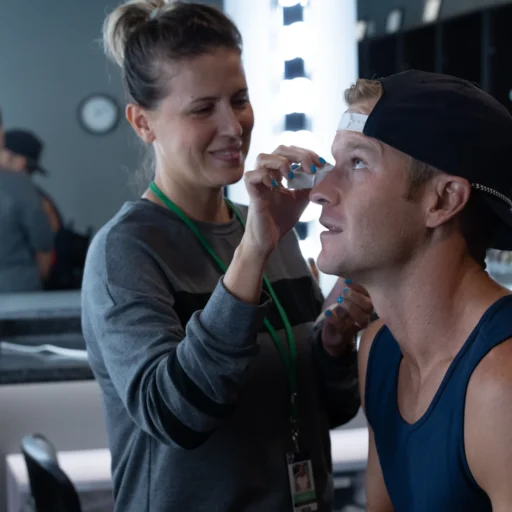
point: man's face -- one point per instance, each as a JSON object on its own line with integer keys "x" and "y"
{"x": 371, "y": 225}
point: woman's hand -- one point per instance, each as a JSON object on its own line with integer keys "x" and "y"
{"x": 273, "y": 209}
{"x": 346, "y": 317}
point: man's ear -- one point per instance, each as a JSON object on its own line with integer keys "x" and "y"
{"x": 448, "y": 195}
{"x": 139, "y": 119}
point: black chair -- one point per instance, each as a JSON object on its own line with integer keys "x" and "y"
{"x": 52, "y": 490}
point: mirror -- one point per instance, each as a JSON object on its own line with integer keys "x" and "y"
{"x": 63, "y": 127}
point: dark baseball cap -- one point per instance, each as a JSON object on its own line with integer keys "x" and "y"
{"x": 455, "y": 126}
{"x": 26, "y": 144}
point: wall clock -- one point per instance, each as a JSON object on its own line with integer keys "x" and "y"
{"x": 98, "y": 114}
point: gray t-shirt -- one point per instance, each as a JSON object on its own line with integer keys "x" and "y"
{"x": 195, "y": 394}
{"x": 24, "y": 231}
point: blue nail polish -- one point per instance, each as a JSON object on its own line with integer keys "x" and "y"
{"x": 345, "y": 290}
{"x": 328, "y": 312}
{"x": 348, "y": 281}
{"x": 274, "y": 183}
{"x": 291, "y": 175}
{"x": 313, "y": 168}
{"x": 340, "y": 300}
{"x": 322, "y": 161}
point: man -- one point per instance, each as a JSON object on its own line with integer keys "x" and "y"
{"x": 28, "y": 148}
{"x": 422, "y": 187}
{"x": 26, "y": 248}
{"x": 70, "y": 246}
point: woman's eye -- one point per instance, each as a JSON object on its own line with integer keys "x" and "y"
{"x": 203, "y": 110}
{"x": 241, "y": 102}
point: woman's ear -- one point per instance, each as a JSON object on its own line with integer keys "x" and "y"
{"x": 449, "y": 196}
{"x": 139, "y": 119}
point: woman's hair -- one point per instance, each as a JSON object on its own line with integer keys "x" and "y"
{"x": 144, "y": 36}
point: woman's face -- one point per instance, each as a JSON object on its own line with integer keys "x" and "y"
{"x": 202, "y": 129}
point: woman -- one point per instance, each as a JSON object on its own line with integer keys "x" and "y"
{"x": 201, "y": 408}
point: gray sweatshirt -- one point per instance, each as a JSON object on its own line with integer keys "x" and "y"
{"x": 195, "y": 394}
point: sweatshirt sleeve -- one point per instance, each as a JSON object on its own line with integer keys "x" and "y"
{"x": 178, "y": 383}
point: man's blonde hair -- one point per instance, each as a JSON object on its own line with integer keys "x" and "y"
{"x": 363, "y": 90}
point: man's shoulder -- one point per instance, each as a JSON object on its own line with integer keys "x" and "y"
{"x": 489, "y": 393}
{"x": 492, "y": 378}
{"x": 487, "y": 420}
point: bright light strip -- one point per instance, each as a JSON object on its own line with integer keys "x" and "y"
{"x": 361, "y": 30}
{"x": 295, "y": 41}
{"x": 312, "y": 212}
{"x": 431, "y": 10}
{"x": 301, "y": 138}
{"x": 394, "y": 21}
{"x": 291, "y": 3}
{"x": 295, "y": 96}
{"x": 310, "y": 247}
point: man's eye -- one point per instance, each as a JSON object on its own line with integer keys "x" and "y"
{"x": 357, "y": 163}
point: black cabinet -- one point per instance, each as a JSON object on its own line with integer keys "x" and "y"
{"x": 419, "y": 49}
{"x": 462, "y": 47}
{"x": 500, "y": 55}
{"x": 476, "y": 46}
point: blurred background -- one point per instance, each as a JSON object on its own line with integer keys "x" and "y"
{"x": 62, "y": 109}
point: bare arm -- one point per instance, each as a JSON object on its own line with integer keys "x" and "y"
{"x": 488, "y": 421}
{"x": 243, "y": 278}
{"x": 44, "y": 263}
{"x": 51, "y": 215}
{"x": 377, "y": 496}
{"x": 34, "y": 222}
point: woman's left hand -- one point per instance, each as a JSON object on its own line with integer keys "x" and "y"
{"x": 346, "y": 317}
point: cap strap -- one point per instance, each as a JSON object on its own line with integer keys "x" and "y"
{"x": 492, "y": 192}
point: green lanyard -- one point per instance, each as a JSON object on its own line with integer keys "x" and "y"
{"x": 289, "y": 360}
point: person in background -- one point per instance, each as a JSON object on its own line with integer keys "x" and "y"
{"x": 26, "y": 238}
{"x": 199, "y": 315}
{"x": 434, "y": 153}
{"x": 70, "y": 246}
{"x": 8, "y": 160}
{"x": 28, "y": 148}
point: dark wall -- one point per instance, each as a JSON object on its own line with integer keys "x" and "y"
{"x": 377, "y": 10}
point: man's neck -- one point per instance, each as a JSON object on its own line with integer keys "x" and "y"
{"x": 199, "y": 203}
{"x": 431, "y": 308}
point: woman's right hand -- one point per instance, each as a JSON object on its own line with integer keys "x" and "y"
{"x": 273, "y": 209}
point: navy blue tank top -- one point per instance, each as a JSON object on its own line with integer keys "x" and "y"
{"x": 424, "y": 464}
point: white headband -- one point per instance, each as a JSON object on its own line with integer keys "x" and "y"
{"x": 352, "y": 122}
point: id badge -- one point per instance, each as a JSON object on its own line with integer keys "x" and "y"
{"x": 302, "y": 482}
